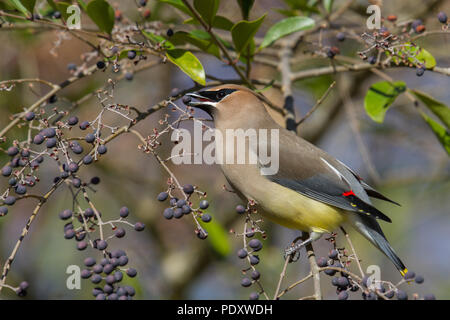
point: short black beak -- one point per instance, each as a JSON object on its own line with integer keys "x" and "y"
{"x": 197, "y": 100}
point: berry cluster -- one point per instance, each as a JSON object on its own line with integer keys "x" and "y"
{"x": 337, "y": 265}
{"x": 87, "y": 229}
{"x": 184, "y": 206}
{"x": 250, "y": 248}
{"x": 395, "y": 40}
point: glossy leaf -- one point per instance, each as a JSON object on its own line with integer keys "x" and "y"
{"x": 219, "y": 22}
{"x": 207, "y": 9}
{"x": 179, "y": 5}
{"x": 416, "y": 55}
{"x": 286, "y": 27}
{"x": 246, "y": 6}
{"x": 19, "y": 6}
{"x": 188, "y": 63}
{"x": 328, "y": 5}
{"x": 380, "y": 96}
{"x": 244, "y": 31}
{"x": 198, "y": 38}
{"x": 102, "y": 14}
{"x": 52, "y": 4}
{"x": 62, "y": 8}
{"x": 29, "y": 4}
{"x": 82, "y": 4}
{"x": 438, "y": 108}
{"x": 440, "y": 132}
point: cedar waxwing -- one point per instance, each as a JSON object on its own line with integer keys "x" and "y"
{"x": 311, "y": 192}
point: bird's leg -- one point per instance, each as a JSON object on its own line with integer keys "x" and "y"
{"x": 295, "y": 246}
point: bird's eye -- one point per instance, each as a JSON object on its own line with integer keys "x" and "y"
{"x": 220, "y": 95}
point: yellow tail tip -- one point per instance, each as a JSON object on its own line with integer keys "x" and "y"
{"x": 403, "y": 272}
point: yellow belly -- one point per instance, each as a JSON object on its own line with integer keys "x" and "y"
{"x": 293, "y": 210}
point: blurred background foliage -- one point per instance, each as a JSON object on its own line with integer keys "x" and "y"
{"x": 172, "y": 263}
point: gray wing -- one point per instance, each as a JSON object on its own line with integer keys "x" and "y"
{"x": 315, "y": 174}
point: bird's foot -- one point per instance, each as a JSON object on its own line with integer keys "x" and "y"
{"x": 293, "y": 251}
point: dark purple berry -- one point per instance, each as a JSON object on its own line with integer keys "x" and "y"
{"x": 409, "y": 275}
{"x": 129, "y": 76}
{"x": 162, "y": 196}
{"x": 333, "y": 254}
{"x": 84, "y": 125}
{"x": 131, "y": 54}
{"x": 101, "y": 64}
{"x": 82, "y": 245}
{"x": 402, "y": 295}
{"x": 88, "y": 159}
{"x": 343, "y": 295}
{"x": 124, "y": 212}
{"x": 102, "y": 149}
{"x": 169, "y": 32}
{"x": 255, "y": 244}
{"x": 10, "y": 200}
{"x": 90, "y": 137}
{"x": 139, "y": 226}
{"x": 120, "y": 232}
{"x": 254, "y": 260}
{"x": 186, "y": 209}
{"x": 51, "y": 142}
{"x": 204, "y": 204}
{"x": 178, "y": 213}
{"x": 6, "y": 171}
{"x": 72, "y": 121}
{"x": 3, "y": 211}
{"x": 242, "y": 253}
{"x": 131, "y": 272}
{"x": 254, "y": 296}
{"x": 420, "y": 71}
{"x": 240, "y": 209}
{"x": 419, "y": 279}
{"x": 12, "y": 151}
{"x": 29, "y": 116}
{"x": 340, "y": 36}
{"x": 246, "y": 282}
{"x": 188, "y": 188}
{"x": 102, "y": 245}
{"x": 168, "y": 213}
{"x": 255, "y": 275}
{"x": 442, "y": 17}
{"x": 206, "y": 217}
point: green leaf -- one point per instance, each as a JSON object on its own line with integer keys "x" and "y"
{"x": 218, "y": 237}
{"x": 285, "y": 27}
{"x": 102, "y": 14}
{"x": 441, "y": 133}
{"x": 328, "y": 5}
{"x": 416, "y": 55}
{"x": 218, "y": 23}
{"x": 438, "y": 108}
{"x": 198, "y": 38}
{"x": 380, "y": 96}
{"x": 29, "y": 4}
{"x": 179, "y": 5}
{"x": 207, "y": 9}
{"x": 52, "y": 4}
{"x": 62, "y": 8}
{"x": 246, "y": 6}
{"x": 303, "y": 6}
{"x": 82, "y": 4}
{"x": 244, "y": 31}
{"x": 188, "y": 63}
{"x": 19, "y": 6}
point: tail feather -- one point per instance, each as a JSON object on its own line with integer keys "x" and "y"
{"x": 371, "y": 230}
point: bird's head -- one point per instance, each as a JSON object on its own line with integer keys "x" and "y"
{"x": 225, "y": 100}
